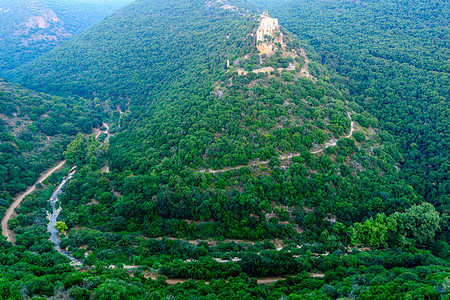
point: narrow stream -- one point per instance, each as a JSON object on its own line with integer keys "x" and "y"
{"x": 53, "y": 216}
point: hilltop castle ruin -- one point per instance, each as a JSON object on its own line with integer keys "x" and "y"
{"x": 267, "y": 26}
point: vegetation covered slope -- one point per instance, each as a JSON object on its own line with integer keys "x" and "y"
{"x": 140, "y": 57}
{"x": 35, "y": 129}
{"x": 393, "y": 56}
{"x": 31, "y": 28}
{"x": 159, "y": 189}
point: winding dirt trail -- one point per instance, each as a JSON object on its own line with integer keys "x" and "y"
{"x": 333, "y": 142}
{"x": 5, "y": 231}
{"x": 259, "y": 280}
{"x": 330, "y": 143}
{"x": 174, "y": 281}
{"x": 97, "y": 132}
{"x": 107, "y": 129}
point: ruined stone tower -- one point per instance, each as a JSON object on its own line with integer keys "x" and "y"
{"x": 267, "y": 26}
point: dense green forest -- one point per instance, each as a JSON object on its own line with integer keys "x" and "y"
{"x": 31, "y": 28}
{"x": 393, "y": 58}
{"x": 223, "y": 180}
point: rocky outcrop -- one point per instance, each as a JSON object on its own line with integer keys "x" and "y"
{"x": 43, "y": 25}
{"x": 43, "y": 20}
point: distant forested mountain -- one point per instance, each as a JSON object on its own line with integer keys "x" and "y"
{"x": 31, "y": 28}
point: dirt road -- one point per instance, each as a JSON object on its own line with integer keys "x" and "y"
{"x": 174, "y": 281}
{"x": 97, "y": 132}
{"x": 9, "y": 236}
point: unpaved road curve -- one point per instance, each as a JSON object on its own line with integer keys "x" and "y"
{"x": 331, "y": 143}
{"x": 20, "y": 197}
{"x": 97, "y": 132}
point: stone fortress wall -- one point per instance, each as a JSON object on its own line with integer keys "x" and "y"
{"x": 267, "y": 26}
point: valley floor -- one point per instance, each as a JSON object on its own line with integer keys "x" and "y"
{"x": 10, "y": 211}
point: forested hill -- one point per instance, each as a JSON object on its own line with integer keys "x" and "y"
{"x": 185, "y": 109}
{"x": 31, "y": 28}
{"x": 231, "y": 158}
{"x": 143, "y": 52}
{"x": 203, "y": 114}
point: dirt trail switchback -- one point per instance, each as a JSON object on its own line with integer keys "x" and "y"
{"x": 330, "y": 143}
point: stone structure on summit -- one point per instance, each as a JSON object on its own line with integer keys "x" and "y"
{"x": 267, "y": 26}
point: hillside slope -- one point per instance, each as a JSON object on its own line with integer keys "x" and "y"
{"x": 250, "y": 109}
{"x": 35, "y": 129}
{"x": 199, "y": 93}
{"x": 134, "y": 55}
